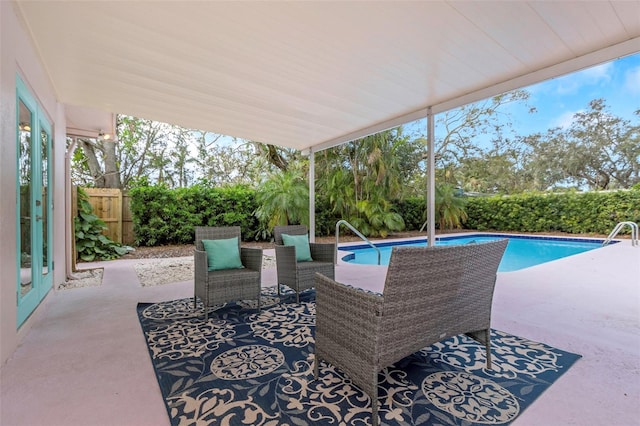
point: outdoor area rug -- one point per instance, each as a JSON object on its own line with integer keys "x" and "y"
{"x": 245, "y": 368}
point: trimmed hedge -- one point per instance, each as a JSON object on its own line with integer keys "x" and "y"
{"x": 571, "y": 212}
{"x": 413, "y": 212}
{"x": 169, "y": 216}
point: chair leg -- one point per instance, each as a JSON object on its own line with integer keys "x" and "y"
{"x": 488, "y": 348}
{"x": 316, "y": 367}
{"x": 374, "y": 404}
{"x": 195, "y": 306}
{"x": 298, "y": 297}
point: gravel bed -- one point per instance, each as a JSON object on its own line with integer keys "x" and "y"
{"x": 151, "y": 272}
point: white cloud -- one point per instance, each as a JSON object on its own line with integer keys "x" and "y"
{"x": 572, "y": 83}
{"x": 632, "y": 80}
{"x": 599, "y": 73}
{"x": 565, "y": 120}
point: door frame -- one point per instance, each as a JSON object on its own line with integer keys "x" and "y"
{"x": 41, "y": 205}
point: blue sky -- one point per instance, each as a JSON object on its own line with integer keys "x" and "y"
{"x": 557, "y": 100}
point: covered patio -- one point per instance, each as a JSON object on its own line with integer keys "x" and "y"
{"x": 310, "y": 75}
{"x": 86, "y": 361}
{"x": 304, "y": 75}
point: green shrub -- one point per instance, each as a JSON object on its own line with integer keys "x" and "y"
{"x": 571, "y": 212}
{"x": 325, "y": 219}
{"x": 413, "y": 211}
{"x": 169, "y": 216}
{"x": 91, "y": 244}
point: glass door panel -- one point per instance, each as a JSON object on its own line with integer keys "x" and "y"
{"x": 25, "y": 117}
{"x": 45, "y": 203}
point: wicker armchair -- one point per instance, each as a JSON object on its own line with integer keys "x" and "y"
{"x": 430, "y": 293}
{"x": 221, "y": 286}
{"x": 300, "y": 275}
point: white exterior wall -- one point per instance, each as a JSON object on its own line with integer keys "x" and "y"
{"x": 18, "y": 57}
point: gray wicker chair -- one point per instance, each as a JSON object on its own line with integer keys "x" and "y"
{"x": 430, "y": 293}
{"x": 218, "y": 287}
{"x": 300, "y": 275}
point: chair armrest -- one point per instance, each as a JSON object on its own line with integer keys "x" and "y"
{"x": 286, "y": 264}
{"x": 285, "y": 256}
{"x": 285, "y": 253}
{"x": 349, "y": 316}
{"x": 201, "y": 265}
{"x": 251, "y": 258}
{"x": 323, "y": 252}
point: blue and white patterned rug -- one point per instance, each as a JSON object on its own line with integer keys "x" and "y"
{"x": 245, "y": 368}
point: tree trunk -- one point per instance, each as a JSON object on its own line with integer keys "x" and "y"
{"x": 95, "y": 170}
{"x": 276, "y": 159}
{"x": 111, "y": 173}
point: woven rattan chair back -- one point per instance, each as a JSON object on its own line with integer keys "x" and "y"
{"x": 289, "y": 230}
{"x": 216, "y": 233}
{"x": 430, "y": 293}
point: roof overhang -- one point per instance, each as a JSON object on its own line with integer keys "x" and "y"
{"x": 89, "y": 122}
{"x": 314, "y": 74}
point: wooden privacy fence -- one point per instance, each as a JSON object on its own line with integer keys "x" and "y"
{"x": 112, "y": 206}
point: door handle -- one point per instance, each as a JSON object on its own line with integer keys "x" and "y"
{"x": 38, "y": 217}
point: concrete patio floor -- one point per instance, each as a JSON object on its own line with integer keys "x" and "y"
{"x": 85, "y": 361}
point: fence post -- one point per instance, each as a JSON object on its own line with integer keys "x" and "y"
{"x": 128, "y": 237}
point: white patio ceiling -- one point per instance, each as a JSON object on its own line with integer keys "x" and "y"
{"x": 314, "y": 74}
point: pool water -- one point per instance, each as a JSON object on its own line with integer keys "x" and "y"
{"x": 522, "y": 251}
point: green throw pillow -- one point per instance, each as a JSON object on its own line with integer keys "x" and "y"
{"x": 223, "y": 254}
{"x": 301, "y": 243}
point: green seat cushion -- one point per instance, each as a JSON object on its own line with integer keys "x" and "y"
{"x": 301, "y": 243}
{"x": 223, "y": 254}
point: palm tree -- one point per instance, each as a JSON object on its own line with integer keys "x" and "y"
{"x": 450, "y": 208}
{"x": 361, "y": 177}
{"x": 283, "y": 199}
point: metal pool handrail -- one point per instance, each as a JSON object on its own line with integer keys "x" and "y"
{"x": 618, "y": 228}
{"x": 344, "y": 222}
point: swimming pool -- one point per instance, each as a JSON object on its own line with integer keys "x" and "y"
{"x": 522, "y": 251}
